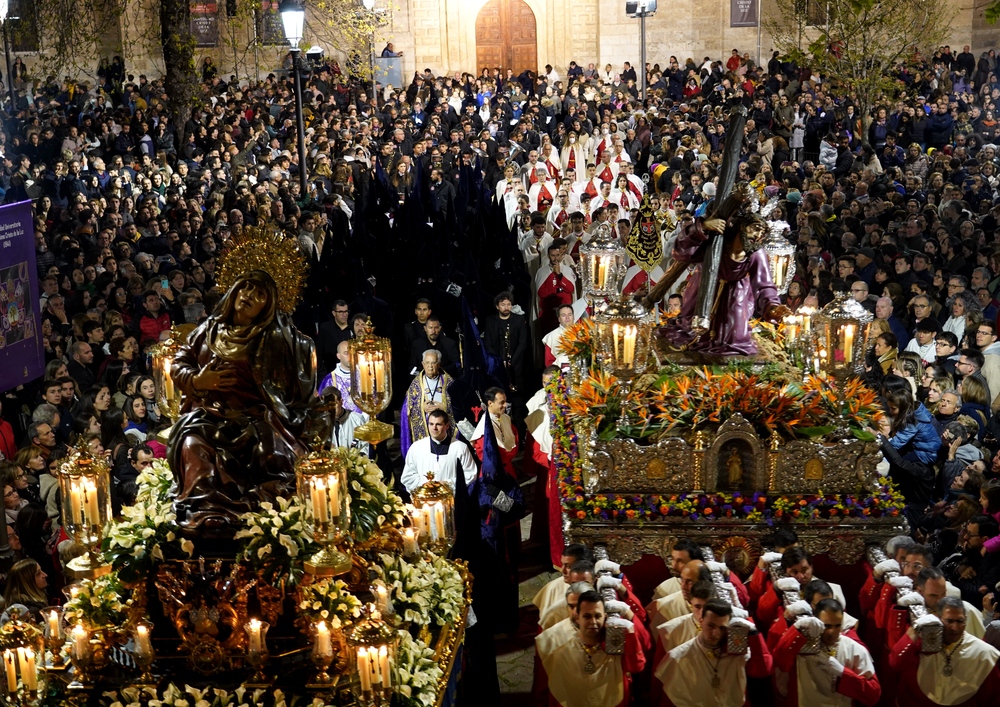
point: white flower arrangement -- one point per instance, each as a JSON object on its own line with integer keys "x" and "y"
{"x": 373, "y": 504}
{"x": 99, "y": 603}
{"x": 173, "y": 696}
{"x": 147, "y": 532}
{"x": 274, "y": 541}
{"x": 418, "y": 672}
{"x": 425, "y": 591}
{"x": 329, "y": 600}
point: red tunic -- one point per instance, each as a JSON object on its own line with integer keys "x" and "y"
{"x": 555, "y": 291}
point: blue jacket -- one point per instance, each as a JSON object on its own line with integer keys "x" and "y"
{"x": 920, "y": 435}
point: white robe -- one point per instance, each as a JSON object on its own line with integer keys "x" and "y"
{"x": 420, "y": 461}
{"x": 552, "y": 340}
{"x": 505, "y": 433}
{"x": 667, "y": 608}
{"x": 971, "y": 663}
{"x": 563, "y": 659}
{"x": 814, "y": 686}
{"x": 677, "y": 631}
{"x": 686, "y": 674}
{"x": 537, "y": 421}
{"x": 667, "y": 587}
{"x": 550, "y": 593}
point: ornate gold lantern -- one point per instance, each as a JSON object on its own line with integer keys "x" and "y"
{"x": 434, "y": 515}
{"x": 321, "y": 481}
{"x": 780, "y": 255}
{"x": 168, "y": 395}
{"x": 624, "y": 338}
{"x": 22, "y": 649}
{"x": 603, "y": 263}
{"x": 55, "y": 636}
{"x": 371, "y": 382}
{"x": 841, "y": 328}
{"x": 373, "y": 645}
{"x": 257, "y": 652}
{"x": 85, "y": 487}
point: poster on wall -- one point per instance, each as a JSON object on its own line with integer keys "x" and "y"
{"x": 272, "y": 32}
{"x": 205, "y": 23}
{"x": 22, "y": 352}
{"x": 743, "y": 13}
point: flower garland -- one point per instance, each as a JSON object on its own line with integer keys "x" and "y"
{"x": 173, "y": 696}
{"x": 98, "y": 603}
{"x": 373, "y": 504}
{"x": 147, "y": 532}
{"x": 424, "y": 592}
{"x": 329, "y": 600}
{"x": 886, "y": 501}
{"x": 418, "y": 672}
{"x": 274, "y": 539}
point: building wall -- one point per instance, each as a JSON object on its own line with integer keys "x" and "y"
{"x": 441, "y": 35}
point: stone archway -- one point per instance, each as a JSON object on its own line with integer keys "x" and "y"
{"x": 506, "y": 36}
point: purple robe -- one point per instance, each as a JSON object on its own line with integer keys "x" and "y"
{"x": 746, "y": 288}
{"x": 343, "y": 384}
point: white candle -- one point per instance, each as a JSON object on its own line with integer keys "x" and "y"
{"x": 319, "y": 501}
{"x": 10, "y": 671}
{"x": 142, "y": 643}
{"x": 430, "y": 525}
{"x": 334, "y": 497}
{"x": 807, "y": 322}
{"x": 255, "y": 643}
{"x": 629, "y": 345}
{"x": 602, "y": 278}
{"x": 55, "y": 629}
{"x": 29, "y": 673}
{"x": 364, "y": 670}
{"x": 779, "y": 272}
{"x": 410, "y": 546}
{"x": 75, "y": 503}
{"x": 365, "y": 375}
{"x": 438, "y": 520}
{"x": 91, "y": 512}
{"x": 381, "y": 598}
{"x": 373, "y": 662}
{"x": 614, "y": 334}
{"x": 848, "y": 343}
{"x": 81, "y": 642}
{"x": 168, "y": 381}
{"x": 379, "y": 364}
{"x": 383, "y": 662}
{"x": 324, "y": 646}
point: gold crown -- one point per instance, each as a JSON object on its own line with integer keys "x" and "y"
{"x": 268, "y": 249}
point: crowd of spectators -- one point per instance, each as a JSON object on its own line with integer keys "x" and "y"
{"x": 132, "y": 210}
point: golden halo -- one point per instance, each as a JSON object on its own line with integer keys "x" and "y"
{"x": 268, "y": 249}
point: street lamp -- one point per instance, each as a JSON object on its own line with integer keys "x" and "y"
{"x": 293, "y": 19}
{"x": 4, "y": 10}
{"x": 369, "y": 5}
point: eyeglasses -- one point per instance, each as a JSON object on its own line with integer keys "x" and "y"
{"x": 10, "y": 494}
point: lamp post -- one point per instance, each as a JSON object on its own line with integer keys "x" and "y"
{"x": 370, "y": 6}
{"x": 4, "y": 9}
{"x": 293, "y": 19}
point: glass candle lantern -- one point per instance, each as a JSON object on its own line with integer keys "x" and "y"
{"x": 434, "y": 515}
{"x": 842, "y": 325}
{"x": 780, "y": 255}
{"x": 22, "y": 649}
{"x": 371, "y": 382}
{"x": 321, "y": 481}
{"x": 624, "y": 341}
{"x": 372, "y": 643}
{"x": 603, "y": 263}
{"x": 257, "y": 652}
{"x": 85, "y": 488}
{"x": 168, "y": 395}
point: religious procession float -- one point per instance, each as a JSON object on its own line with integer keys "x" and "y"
{"x": 256, "y": 566}
{"x": 731, "y": 418}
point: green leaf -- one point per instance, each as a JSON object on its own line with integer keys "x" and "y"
{"x": 863, "y": 435}
{"x": 992, "y": 12}
{"x": 608, "y": 433}
{"x": 813, "y": 432}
